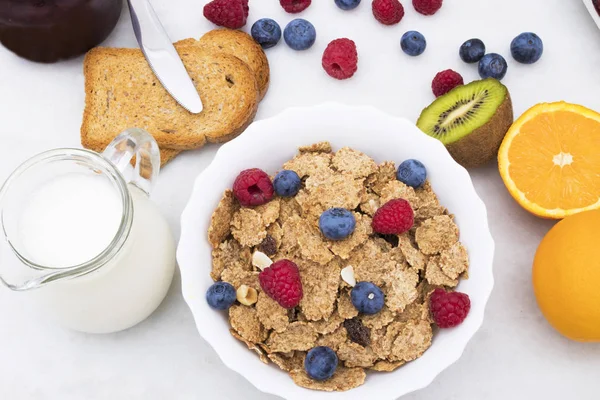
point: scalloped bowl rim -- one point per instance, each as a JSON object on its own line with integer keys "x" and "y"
{"x": 267, "y": 144}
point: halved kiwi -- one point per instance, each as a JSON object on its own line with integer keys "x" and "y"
{"x": 470, "y": 120}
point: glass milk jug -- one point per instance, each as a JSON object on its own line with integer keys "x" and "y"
{"x": 82, "y": 237}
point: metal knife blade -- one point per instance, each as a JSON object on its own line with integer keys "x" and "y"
{"x": 162, "y": 56}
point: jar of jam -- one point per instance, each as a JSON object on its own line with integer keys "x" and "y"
{"x": 52, "y": 30}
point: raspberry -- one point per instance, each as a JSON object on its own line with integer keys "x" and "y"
{"x": 340, "y": 59}
{"x": 253, "y": 187}
{"x": 427, "y": 7}
{"x": 388, "y": 12}
{"x": 445, "y": 81}
{"x": 449, "y": 309}
{"x": 393, "y": 218}
{"x": 281, "y": 282}
{"x": 228, "y": 13}
{"x": 294, "y": 6}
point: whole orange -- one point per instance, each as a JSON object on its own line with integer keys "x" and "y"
{"x": 566, "y": 276}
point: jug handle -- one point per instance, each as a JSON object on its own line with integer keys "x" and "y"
{"x": 139, "y": 143}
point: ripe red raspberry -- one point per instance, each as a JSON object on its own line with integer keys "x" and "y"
{"x": 253, "y": 187}
{"x": 449, "y": 309}
{"x": 445, "y": 81}
{"x": 340, "y": 59}
{"x": 427, "y": 7}
{"x": 294, "y": 6}
{"x": 281, "y": 282}
{"x": 231, "y": 14}
{"x": 393, "y": 218}
{"x": 388, "y": 12}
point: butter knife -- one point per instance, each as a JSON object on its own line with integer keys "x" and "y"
{"x": 162, "y": 56}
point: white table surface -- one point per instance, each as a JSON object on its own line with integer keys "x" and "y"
{"x": 515, "y": 355}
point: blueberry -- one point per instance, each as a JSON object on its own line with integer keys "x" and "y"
{"x": 266, "y": 32}
{"x": 412, "y": 173}
{"x": 472, "y": 51}
{"x": 413, "y": 43}
{"x": 320, "y": 363}
{"x": 221, "y": 296}
{"x": 347, "y": 4}
{"x": 300, "y": 34}
{"x": 337, "y": 223}
{"x": 367, "y": 298}
{"x": 527, "y": 48}
{"x": 492, "y": 65}
{"x": 287, "y": 183}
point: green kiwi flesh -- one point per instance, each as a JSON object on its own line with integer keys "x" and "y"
{"x": 470, "y": 120}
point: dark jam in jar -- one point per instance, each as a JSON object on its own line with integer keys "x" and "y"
{"x": 53, "y": 30}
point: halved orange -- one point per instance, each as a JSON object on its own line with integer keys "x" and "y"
{"x": 550, "y": 160}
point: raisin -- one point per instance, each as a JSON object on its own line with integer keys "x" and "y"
{"x": 357, "y": 332}
{"x": 268, "y": 246}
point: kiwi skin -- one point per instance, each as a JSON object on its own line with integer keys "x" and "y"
{"x": 482, "y": 145}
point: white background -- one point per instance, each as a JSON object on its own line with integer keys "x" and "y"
{"x": 515, "y": 355}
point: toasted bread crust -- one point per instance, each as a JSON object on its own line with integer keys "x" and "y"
{"x": 122, "y": 92}
{"x": 244, "y": 47}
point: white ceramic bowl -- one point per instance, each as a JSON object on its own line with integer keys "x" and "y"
{"x": 267, "y": 144}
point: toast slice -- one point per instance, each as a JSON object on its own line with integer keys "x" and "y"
{"x": 241, "y": 45}
{"x": 123, "y": 92}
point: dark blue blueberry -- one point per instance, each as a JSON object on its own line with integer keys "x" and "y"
{"x": 300, "y": 34}
{"x": 527, "y": 48}
{"x": 367, "y": 298}
{"x": 413, "y": 43}
{"x": 337, "y": 223}
{"x": 472, "y": 51}
{"x": 221, "y": 296}
{"x": 287, "y": 183}
{"x": 347, "y": 4}
{"x": 266, "y": 32}
{"x": 412, "y": 173}
{"x": 320, "y": 363}
{"x": 493, "y": 65}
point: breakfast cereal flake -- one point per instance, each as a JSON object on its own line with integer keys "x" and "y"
{"x": 288, "y": 362}
{"x": 298, "y": 336}
{"x": 247, "y": 227}
{"x": 237, "y": 277}
{"x": 436, "y": 234}
{"x": 312, "y": 245}
{"x": 321, "y": 147}
{"x": 354, "y": 162}
{"x": 288, "y": 208}
{"x": 436, "y": 276}
{"x": 344, "y": 305}
{"x": 398, "y": 190}
{"x": 401, "y": 288}
{"x": 271, "y": 314}
{"x": 220, "y": 221}
{"x": 386, "y": 172}
{"x": 320, "y": 286}
{"x": 245, "y": 322}
{"x": 333, "y": 339}
{"x": 414, "y": 257}
{"x": 370, "y": 203}
{"x": 229, "y": 254}
{"x": 269, "y": 212}
{"x": 251, "y": 346}
{"x": 454, "y": 261}
{"x": 308, "y": 164}
{"x": 355, "y": 355}
{"x": 412, "y": 342}
{"x": 387, "y": 366}
{"x": 329, "y": 325}
{"x": 379, "y": 320}
{"x": 344, "y": 379}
